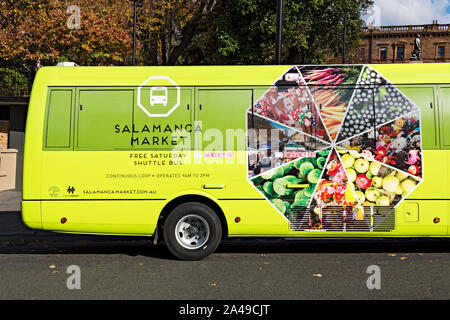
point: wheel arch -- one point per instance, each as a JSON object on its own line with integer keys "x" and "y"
{"x": 212, "y": 203}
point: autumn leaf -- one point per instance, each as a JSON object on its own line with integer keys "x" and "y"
{"x": 318, "y": 275}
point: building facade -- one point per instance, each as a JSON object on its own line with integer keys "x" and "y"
{"x": 395, "y": 44}
{"x": 13, "y": 111}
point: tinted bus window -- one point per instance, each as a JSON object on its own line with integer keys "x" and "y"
{"x": 100, "y": 113}
{"x": 59, "y": 115}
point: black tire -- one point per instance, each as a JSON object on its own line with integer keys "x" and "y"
{"x": 199, "y": 220}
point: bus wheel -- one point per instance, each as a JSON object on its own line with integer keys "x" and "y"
{"x": 192, "y": 231}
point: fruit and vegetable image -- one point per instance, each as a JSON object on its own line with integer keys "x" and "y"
{"x": 375, "y": 102}
{"x": 291, "y": 187}
{"x": 334, "y": 202}
{"x": 396, "y": 144}
{"x": 374, "y": 183}
{"x": 332, "y": 187}
{"x": 273, "y": 144}
{"x": 332, "y": 88}
{"x": 290, "y": 102}
{"x": 359, "y": 157}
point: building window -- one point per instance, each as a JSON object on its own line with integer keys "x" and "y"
{"x": 440, "y": 52}
{"x": 400, "y": 53}
{"x": 383, "y": 53}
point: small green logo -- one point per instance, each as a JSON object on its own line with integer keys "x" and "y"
{"x": 54, "y": 190}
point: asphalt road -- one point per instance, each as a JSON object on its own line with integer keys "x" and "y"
{"x": 249, "y": 269}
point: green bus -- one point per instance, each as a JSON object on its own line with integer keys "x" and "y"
{"x": 194, "y": 155}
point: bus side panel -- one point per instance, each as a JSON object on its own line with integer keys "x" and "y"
{"x": 257, "y": 218}
{"x": 415, "y": 216}
{"x": 102, "y": 217}
{"x": 423, "y": 218}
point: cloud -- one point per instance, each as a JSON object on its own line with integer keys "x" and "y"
{"x": 407, "y": 12}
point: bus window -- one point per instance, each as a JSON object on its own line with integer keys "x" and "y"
{"x": 59, "y": 115}
{"x": 444, "y": 97}
{"x": 105, "y": 119}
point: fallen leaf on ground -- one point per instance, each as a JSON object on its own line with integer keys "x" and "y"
{"x": 212, "y": 284}
{"x": 402, "y": 258}
{"x": 52, "y": 266}
{"x": 318, "y": 275}
{"x": 391, "y": 254}
{"x": 140, "y": 263}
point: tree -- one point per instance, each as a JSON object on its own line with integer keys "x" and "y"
{"x": 12, "y": 83}
{"x": 245, "y": 30}
{"x": 167, "y": 28}
{"x": 173, "y": 32}
{"x": 36, "y": 31}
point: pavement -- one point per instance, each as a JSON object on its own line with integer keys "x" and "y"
{"x": 251, "y": 269}
{"x": 10, "y": 200}
{"x": 11, "y": 225}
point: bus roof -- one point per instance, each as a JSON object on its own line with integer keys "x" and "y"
{"x": 405, "y": 73}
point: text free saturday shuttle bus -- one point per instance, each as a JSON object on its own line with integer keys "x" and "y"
{"x": 196, "y": 154}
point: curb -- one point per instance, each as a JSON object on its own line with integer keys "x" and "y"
{"x": 10, "y": 207}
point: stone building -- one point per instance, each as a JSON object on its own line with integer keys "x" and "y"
{"x": 395, "y": 44}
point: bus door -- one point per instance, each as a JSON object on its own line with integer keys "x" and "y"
{"x": 221, "y": 114}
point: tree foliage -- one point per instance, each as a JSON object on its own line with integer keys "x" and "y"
{"x": 167, "y": 29}
{"x": 312, "y": 30}
{"x": 171, "y": 32}
{"x": 36, "y": 30}
{"x": 12, "y": 82}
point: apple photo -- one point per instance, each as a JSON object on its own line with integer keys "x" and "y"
{"x": 375, "y": 183}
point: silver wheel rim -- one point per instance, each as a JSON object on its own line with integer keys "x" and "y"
{"x": 192, "y": 232}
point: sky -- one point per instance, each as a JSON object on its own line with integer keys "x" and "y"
{"x": 407, "y": 12}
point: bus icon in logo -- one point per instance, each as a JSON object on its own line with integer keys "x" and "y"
{"x": 160, "y": 91}
{"x": 158, "y": 95}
